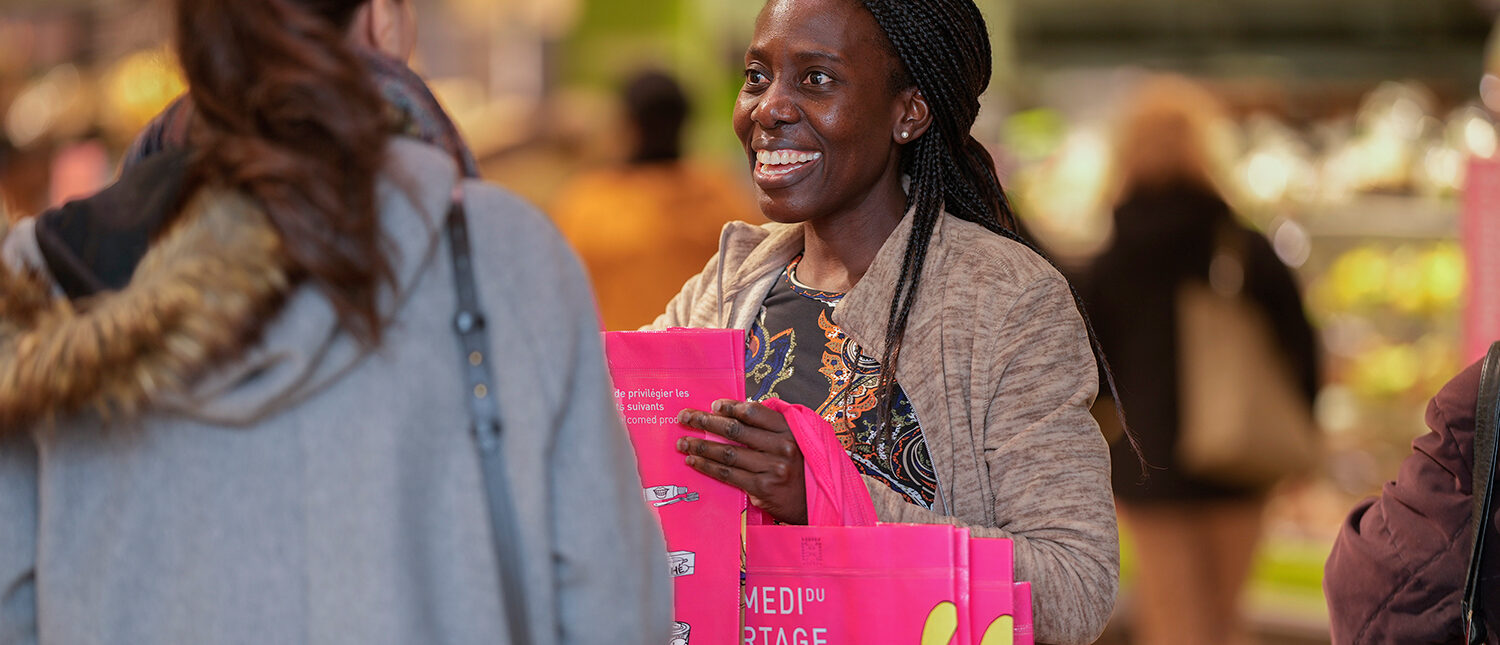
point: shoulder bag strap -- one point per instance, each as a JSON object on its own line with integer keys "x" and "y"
{"x": 1483, "y": 486}
{"x": 484, "y": 412}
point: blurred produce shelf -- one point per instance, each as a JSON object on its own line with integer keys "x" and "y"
{"x": 1399, "y": 217}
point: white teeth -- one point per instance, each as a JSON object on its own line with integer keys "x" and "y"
{"x": 783, "y": 157}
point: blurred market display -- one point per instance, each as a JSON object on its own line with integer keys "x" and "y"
{"x": 1350, "y": 156}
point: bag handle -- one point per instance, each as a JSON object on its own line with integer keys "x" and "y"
{"x": 1483, "y": 486}
{"x": 484, "y": 413}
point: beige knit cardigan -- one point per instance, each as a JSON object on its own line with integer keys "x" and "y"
{"x": 997, "y": 364}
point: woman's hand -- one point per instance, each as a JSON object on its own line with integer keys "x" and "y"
{"x": 766, "y": 463}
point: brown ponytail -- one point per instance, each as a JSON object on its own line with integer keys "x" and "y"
{"x": 292, "y": 119}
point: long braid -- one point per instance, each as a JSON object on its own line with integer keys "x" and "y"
{"x": 944, "y": 48}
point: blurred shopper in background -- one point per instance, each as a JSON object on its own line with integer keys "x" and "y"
{"x": 257, "y": 436}
{"x": 1397, "y": 570}
{"x": 1193, "y": 539}
{"x": 645, "y": 227}
{"x": 893, "y": 296}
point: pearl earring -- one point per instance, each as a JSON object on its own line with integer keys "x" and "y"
{"x": 905, "y": 135}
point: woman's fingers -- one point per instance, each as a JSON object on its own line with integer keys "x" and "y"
{"x": 758, "y": 478}
{"x": 736, "y": 477}
{"x": 726, "y": 427}
{"x": 740, "y": 431}
{"x": 754, "y": 414}
{"x": 732, "y": 456}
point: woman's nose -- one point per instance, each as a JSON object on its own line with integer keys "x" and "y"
{"x": 775, "y": 107}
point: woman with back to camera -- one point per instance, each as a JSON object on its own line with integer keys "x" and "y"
{"x": 1195, "y": 539}
{"x": 892, "y": 296}
{"x": 263, "y": 434}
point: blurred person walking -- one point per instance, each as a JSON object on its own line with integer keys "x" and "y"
{"x": 242, "y": 425}
{"x": 1194, "y": 538}
{"x": 645, "y": 227}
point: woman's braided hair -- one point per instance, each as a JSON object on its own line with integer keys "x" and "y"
{"x": 944, "y": 48}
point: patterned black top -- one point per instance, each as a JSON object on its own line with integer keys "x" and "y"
{"x": 796, "y": 353}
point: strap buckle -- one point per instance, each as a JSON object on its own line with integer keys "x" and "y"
{"x": 487, "y": 435}
{"x": 467, "y": 322}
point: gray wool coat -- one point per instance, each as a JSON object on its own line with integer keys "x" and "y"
{"x": 316, "y": 492}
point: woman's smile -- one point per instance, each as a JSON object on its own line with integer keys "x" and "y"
{"x": 782, "y": 168}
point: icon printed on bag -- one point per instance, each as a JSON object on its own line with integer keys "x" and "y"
{"x": 1001, "y": 631}
{"x": 941, "y": 625}
{"x": 660, "y": 496}
{"x": 680, "y": 633}
{"x": 812, "y": 550}
{"x": 683, "y": 563}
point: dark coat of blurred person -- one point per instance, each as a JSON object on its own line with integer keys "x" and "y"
{"x": 645, "y": 227}
{"x": 1396, "y": 572}
{"x": 1194, "y": 540}
{"x": 260, "y": 435}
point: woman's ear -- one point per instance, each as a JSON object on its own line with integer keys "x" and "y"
{"x": 914, "y": 118}
{"x": 362, "y": 27}
{"x": 387, "y": 26}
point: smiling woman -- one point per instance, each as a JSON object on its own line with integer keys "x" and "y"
{"x": 892, "y": 295}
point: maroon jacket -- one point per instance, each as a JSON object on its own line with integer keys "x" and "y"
{"x": 1397, "y": 569}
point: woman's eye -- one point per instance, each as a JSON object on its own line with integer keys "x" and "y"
{"x": 754, "y": 77}
{"x": 818, "y": 78}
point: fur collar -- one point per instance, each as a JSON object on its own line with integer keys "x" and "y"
{"x": 199, "y": 296}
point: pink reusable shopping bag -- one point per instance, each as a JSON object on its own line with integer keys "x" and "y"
{"x": 1023, "y": 614}
{"x": 656, "y": 375}
{"x": 992, "y": 591}
{"x": 818, "y": 585}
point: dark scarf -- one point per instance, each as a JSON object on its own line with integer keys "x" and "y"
{"x": 94, "y": 244}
